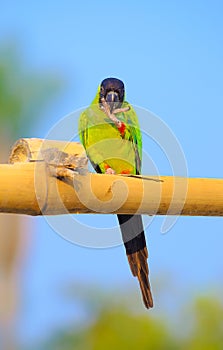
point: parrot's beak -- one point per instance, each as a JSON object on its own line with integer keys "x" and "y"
{"x": 112, "y": 99}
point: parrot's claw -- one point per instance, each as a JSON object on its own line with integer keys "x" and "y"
{"x": 121, "y": 110}
{"x": 110, "y": 171}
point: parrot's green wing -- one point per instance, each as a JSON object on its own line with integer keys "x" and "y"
{"x": 84, "y": 131}
{"x": 83, "y": 124}
{"x": 83, "y": 128}
{"x": 133, "y": 134}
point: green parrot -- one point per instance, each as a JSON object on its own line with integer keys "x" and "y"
{"x": 109, "y": 131}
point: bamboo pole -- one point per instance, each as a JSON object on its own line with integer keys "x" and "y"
{"x": 35, "y": 185}
{"x": 50, "y": 177}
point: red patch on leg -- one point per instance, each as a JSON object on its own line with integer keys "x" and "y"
{"x": 127, "y": 171}
{"x": 106, "y": 166}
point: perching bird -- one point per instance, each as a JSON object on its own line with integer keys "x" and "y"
{"x": 109, "y": 131}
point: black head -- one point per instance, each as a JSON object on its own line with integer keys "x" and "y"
{"x": 113, "y": 91}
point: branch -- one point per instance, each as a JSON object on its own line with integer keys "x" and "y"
{"x": 51, "y": 178}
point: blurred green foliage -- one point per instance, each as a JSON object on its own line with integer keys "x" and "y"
{"x": 207, "y": 331}
{"x": 24, "y": 92}
{"x": 116, "y": 327}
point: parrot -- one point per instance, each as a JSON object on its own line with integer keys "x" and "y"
{"x": 110, "y": 133}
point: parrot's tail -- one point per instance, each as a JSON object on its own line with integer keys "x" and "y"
{"x": 135, "y": 244}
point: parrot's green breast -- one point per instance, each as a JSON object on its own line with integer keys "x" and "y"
{"x": 104, "y": 144}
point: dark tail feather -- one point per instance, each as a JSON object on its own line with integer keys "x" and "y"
{"x": 135, "y": 244}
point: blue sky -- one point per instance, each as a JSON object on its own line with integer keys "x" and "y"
{"x": 169, "y": 54}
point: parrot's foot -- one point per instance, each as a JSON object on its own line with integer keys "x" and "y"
{"x": 112, "y": 116}
{"x": 110, "y": 171}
